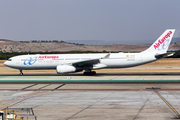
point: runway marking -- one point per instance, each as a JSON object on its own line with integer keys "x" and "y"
{"x": 58, "y": 87}
{"x": 87, "y": 81}
{"x": 142, "y": 106}
{"x": 43, "y": 87}
{"x": 169, "y": 105}
{"x": 21, "y": 100}
{"x": 29, "y": 86}
{"x": 84, "y": 80}
{"x": 6, "y": 106}
{"x": 89, "y": 106}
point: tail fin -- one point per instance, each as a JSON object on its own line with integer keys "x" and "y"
{"x": 161, "y": 45}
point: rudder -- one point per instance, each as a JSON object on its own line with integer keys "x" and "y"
{"x": 161, "y": 45}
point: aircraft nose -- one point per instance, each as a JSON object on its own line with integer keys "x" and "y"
{"x": 5, "y": 63}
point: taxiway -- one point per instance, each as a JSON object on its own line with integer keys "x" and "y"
{"x": 101, "y": 97}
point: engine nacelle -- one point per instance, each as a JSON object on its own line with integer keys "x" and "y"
{"x": 67, "y": 69}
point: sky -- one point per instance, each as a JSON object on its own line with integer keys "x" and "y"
{"x": 125, "y": 21}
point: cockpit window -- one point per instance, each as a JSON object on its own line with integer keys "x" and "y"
{"x": 9, "y": 59}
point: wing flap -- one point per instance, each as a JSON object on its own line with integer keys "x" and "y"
{"x": 89, "y": 62}
{"x": 99, "y": 66}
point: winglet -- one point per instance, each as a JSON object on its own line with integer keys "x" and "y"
{"x": 107, "y": 56}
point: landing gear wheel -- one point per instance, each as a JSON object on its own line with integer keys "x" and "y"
{"x": 21, "y": 73}
{"x": 94, "y": 72}
{"x": 90, "y": 73}
{"x": 85, "y": 73}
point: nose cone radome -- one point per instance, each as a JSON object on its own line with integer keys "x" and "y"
{"x": 6, "y": 63}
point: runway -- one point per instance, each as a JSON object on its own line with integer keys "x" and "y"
{"x": 100, "y": 97}
{"x": 85, "y": 104}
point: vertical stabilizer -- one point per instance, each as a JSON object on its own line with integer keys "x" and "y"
{"x": 161, "y": 45}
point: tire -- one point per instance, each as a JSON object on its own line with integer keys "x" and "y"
{"x": 90, "y": 73}
{"x": 21, "y": 74}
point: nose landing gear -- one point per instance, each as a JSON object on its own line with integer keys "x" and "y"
{"x": 21, "y": 73}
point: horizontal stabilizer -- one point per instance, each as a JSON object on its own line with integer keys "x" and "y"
{"x": 159, "y": 56}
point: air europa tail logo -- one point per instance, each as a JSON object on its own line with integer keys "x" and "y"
{"x": 161, "y": 41}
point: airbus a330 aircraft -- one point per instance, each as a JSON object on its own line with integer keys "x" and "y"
{"x": 69, "y": 63}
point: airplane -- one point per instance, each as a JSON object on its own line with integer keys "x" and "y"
{"x": 70, "y": 63}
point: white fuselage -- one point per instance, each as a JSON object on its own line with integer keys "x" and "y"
{"x": 51, "y": 61}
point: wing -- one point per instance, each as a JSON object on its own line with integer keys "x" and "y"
{"x": 89, "y": 62}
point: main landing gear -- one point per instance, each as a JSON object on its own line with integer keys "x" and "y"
{"x": 21, "y": 73}
{"x": 89, "y": 72}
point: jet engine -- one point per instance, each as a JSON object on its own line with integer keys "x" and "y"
{"x": 67, "y": 69}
